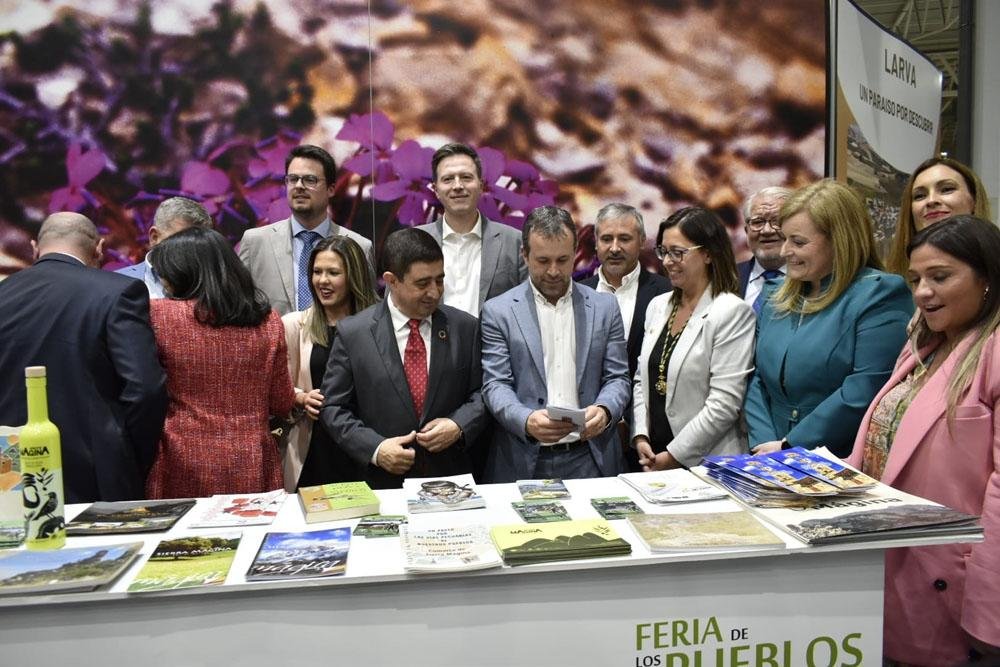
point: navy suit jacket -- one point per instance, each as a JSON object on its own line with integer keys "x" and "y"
{"x": 650, "y": 285}
{"x": 106, "y": 389}
{"x": 743, "y": 270}
{"x": 367, "y": 397}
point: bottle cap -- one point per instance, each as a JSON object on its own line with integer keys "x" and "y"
{"x": 34, "y": 372}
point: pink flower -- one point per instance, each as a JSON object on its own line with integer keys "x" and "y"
{"x": 412, "y": 164}
{"x": 81, "y": 169}
{"x": 374, "y": 132}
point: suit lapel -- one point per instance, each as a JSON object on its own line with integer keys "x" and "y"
{"x": 583, "y": 315}
{"x": 440, "y": 340}
{"x": 688, "y": 336}
{"x": 490, "y": 258}
{"x": 281, "y": 251}
{"x": 526, "y": 318}
{"x": 388, "y": 350}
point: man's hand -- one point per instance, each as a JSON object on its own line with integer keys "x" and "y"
{"x": 394, "y": 457}
{"x": 439, "y": 434}
{"x": 546, "y": 430}
{"x": 597, "y": 421}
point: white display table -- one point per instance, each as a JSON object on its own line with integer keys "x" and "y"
{"x": 776, "y": 607}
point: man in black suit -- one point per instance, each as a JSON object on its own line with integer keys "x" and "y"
{"x": 90, "y": 329}
{"x": 620, "y": 235}
{"x": 402, "y": 385}
{"x": 760, "y": 216}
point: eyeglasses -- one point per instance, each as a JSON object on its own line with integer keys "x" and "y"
{"x": 308, "y": 181}
{"x": 676, "y": 252}
{"x": 758, "y": 224}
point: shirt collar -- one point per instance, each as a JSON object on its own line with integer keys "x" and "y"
{"x": 399, "y": 320}
{"x": 540, "y": 298}
{"x": 756, "y": 271}
{"x": 627, "y": 280}
{"x": 476, "y": 231}
{"x": 323, "y": 229}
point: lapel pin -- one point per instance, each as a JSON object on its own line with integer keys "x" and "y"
{"x": 443, "y": 334}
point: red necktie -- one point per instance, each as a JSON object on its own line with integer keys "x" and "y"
{"x": 415, "y": 367}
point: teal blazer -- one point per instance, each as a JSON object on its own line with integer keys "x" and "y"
{"x": 816, "y": 374}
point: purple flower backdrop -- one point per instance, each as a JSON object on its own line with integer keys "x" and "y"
{"x": 109, "y": 107}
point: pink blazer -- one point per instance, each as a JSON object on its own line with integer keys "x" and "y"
{"x": 932, "y": 594}
{"x": 294, "y": 450}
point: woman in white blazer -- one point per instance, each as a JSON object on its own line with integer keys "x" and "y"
{"x": 697, "y": 349}
{"x": 341, "y": 285}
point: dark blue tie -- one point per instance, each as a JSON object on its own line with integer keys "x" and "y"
{"x": 769, "y": 274}
{"x": 309, "y": 240}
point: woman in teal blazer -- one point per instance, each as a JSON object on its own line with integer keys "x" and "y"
{"x": 827, "y": 338}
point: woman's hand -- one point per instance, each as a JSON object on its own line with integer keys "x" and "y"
{"x": 767, "y": 447}
{"x": 310, "y": 401}
{"x": 644, "y": 450}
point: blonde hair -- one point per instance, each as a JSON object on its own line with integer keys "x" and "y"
{"x": 839, "y": 215}
{"x": 898, "y": 260}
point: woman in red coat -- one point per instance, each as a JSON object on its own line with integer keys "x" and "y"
{"x": 224, "y": 353}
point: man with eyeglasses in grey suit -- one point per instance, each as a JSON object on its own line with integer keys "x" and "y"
{"x": 277, "y": 255}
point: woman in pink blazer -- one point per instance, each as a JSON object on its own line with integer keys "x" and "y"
{"x": 341, "y": 285}
{"x": 934, "y": 431}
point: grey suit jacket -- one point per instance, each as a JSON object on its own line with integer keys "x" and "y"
{"x": 367, "y": 398}
{"x": 502, "y": 262}
{"x": 267, "y": 252}
{"x": 514, "y": 383}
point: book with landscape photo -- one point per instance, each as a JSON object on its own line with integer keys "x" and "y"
{"x": 542, "y": 489}
{"x": 453, "y": 549}
{"x": 11, "y": 503}
{"x": 442, "y": 494}
{"x": 129, "y": 516}
{"x": 187, "y": 562}
{"x": 315, "y": 553}
{"x": 240, "y": 509}
{"x": 845, "y": 478}
{"x": 379, "y": 525}
{"x": 615, "y": 507}
{"x": 665, "y": 487}
{"x": 521, "y": 544}
{"x": 64, "y": 570}
{"x": 333, "y": 502}
{"x": 540, "y": 511}
{"x": 704, "y": 531}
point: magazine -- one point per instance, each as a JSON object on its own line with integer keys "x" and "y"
{"x": 706, "y": 531}
{"x": 186, "y": 562}
{"x": 316, "y": 553}
{"x": 453, "y": 549}
{"x": 665, "y": 487}
{"x": 240, "y": 509}
{"x": 129, "y": 516}
{"x": 64, "y": 570}
{"x": 442, "y": 494}
{"x": 542, "y": 489}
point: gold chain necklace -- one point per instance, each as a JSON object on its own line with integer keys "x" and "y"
{"x": 668, "y": 347}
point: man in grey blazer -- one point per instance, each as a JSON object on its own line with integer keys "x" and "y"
{"x": 278, "y": 254}
{"x": 172, "y": 215}
{"x": 482, "y": 258}
{"x": 553, "y": 342}
{"x": 402, "y": 384}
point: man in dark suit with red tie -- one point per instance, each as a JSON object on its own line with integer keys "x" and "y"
{"x": 90, "y": 329}
{"x": 402, "y": 385}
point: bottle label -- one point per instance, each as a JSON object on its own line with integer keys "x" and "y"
{"x": 43, "y": 506}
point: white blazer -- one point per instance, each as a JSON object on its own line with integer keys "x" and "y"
{"x": 296, "y": 446}
{"x": 706, "y": 376}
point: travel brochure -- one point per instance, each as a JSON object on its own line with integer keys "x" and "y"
{"x": 454, "y": 549}
{"x": 379, "y": 525}
{"x": 705, "y": 531}
{"x": 542, "y": 489}
{"x": 615, "y": 507}
{"x": 316, "y": 553}
{"x": 240, "y": 509}
{"x": 129, "y": 516}
{"x": 187, "y": 562}
{"x": 442, "y": 494}
{"x": 521, "y": 544}
{"x": 666, "y": 487}
{"x": 540, "y": 511}
{"x": 70, "y": 569}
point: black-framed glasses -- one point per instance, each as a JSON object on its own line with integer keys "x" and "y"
{"x": 757, "y": 224}
{"x": 674, "y": 252}
{"x": 308, "y": 180}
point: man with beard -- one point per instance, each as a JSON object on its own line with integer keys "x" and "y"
{"x": 764, "y": 238}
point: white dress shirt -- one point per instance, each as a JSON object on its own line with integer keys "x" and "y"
{"x": 557, "y": 327}
{"x": 755, "y": 283}
{"x": 152, "y": 280}
{"x": 323, "y": 229}
{"x": 626, "y": 294}
{"x": 462, "y": 266}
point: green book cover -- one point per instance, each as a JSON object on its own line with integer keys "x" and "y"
{"x": 186, "y": 562}
{"x": 331, "y": 502}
